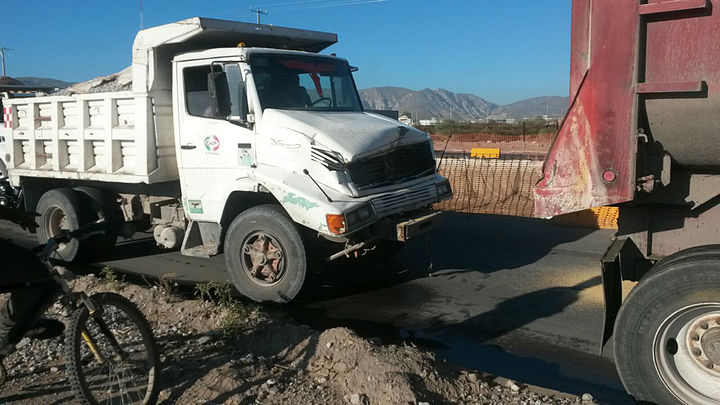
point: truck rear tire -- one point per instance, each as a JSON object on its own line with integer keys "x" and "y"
{"x": 667, "y": 334}
{"x": 62, "y": 209}
{"x": 265, "y": 255}
{"x": 707, "y": 251}
{"x": 103, "y": 207}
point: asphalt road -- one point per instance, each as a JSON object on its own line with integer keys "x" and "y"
{"x": 515, "y": 297}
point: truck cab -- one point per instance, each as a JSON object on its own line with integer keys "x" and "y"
{"x": 292, "y": 122}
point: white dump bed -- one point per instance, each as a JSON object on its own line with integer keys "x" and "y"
{"x": 119, "y": 137}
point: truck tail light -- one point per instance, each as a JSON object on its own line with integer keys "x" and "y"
{"x": 336, "y": 223}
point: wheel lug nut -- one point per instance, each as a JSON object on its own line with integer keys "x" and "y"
{"x": 695, "y": 337}
{"x": 696, "y": 351}
{"x": 708, "y": 364}
{"x": 704, "y": 325}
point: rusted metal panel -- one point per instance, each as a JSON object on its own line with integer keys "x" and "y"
{"x": 592, "y": 160}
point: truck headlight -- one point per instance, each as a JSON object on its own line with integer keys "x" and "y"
{"x": 359, "y": 216}
{"x": 443, "y": 189}
{"x": 339, "y": 224}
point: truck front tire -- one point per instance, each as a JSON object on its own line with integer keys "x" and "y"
{"x": 265, "y": 255}
{"x": 62, "y": 209}
{"x": 667, "y": 334}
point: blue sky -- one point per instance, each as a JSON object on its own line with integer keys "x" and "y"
{"x": 500, "y": 50}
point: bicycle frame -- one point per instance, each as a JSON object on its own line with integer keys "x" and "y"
{"x": 44, "y": 257}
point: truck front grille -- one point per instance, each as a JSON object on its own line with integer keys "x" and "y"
{"x": 402, "y": 164}
{"x": 404, "y": 200}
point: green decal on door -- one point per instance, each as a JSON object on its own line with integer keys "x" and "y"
{"x": 195, "y": 206}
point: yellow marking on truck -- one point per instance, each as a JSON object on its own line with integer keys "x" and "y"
{"x": 488, "y": 153}
{"x": 598, "y": 218}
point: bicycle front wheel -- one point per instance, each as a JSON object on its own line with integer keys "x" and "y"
{"x": 111, "y": 355}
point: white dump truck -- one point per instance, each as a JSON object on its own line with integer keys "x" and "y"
{"x": 235, "y": 137}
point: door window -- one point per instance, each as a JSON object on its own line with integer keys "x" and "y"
{"x": 215, "y": 91}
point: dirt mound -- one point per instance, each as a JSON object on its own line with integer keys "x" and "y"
{"x": 234, "y": 353}
{"x": 120, "y": 81}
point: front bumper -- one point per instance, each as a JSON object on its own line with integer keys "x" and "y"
{"x": 413, "y": 227}
{"x": 399, "y": 229}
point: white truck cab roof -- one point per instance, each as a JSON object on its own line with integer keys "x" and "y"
{"x": 239, "y": 52}
{"x": 154, "y": 48}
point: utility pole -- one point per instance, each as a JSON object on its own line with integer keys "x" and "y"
{"x": 258, "y": 12}
{"x": 2, "y": 55}
{"x": 141, "y": 15}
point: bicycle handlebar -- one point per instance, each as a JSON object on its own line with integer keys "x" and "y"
{"x": 66, "y": 236}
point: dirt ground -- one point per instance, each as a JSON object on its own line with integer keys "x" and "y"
{"x": 218, "y": 350}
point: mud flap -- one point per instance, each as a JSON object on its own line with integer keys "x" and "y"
{"x": 612, "y": 287}
{"x": 622, "y": 261}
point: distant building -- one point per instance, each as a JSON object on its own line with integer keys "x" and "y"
{"x": 405, "y": 120}
{"x": 392, "y": 114}
{"x": 431, "y": 121}
{"x": 552, "y": 118}
{"x": 499, "y": 118}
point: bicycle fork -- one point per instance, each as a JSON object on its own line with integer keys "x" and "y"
{"x": 90, "y": 342}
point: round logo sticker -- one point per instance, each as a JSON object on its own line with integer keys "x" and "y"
{"x": 212, "y": 143}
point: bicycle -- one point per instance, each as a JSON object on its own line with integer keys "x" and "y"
{"x": 110, "y": 351}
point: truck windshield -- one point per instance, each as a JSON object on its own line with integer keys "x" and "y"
{"x": 293, "y": 82}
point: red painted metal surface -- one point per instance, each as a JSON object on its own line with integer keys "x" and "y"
{"x": 671, "y": 87}
{"x": 635, "y": 65}
{"x": 666, "y": 6}
{"x": 598, "y": 132}
{"x": 685, "y": 47}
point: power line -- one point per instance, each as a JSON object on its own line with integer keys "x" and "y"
{"x": 258, "y": 12}
{"x": 305, "y": 5}
{"x": 2, "y": 55}
{"x": 338, "y": 3}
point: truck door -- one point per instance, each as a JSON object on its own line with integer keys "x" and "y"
{"x": 215, "y": 142}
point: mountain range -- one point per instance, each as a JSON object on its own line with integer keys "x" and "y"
{"x": 44, "y": 82}
{"x": 443, "y": 104}
{"x": 424, "y": 104}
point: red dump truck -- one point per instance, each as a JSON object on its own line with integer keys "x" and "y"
{"x": 643, "y": 132}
